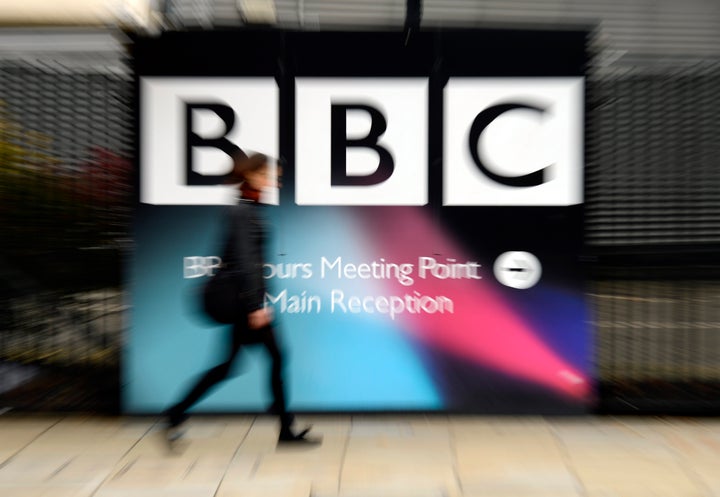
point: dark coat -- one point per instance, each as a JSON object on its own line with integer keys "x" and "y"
{"x": 244, "y": 251}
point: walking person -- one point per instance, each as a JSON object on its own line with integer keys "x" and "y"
{"x": 243, "y": 256}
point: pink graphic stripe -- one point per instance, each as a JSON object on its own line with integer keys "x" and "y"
{"x": 482, "y": 327}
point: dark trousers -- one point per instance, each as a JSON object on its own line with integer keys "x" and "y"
{"x": 240, "y": 337}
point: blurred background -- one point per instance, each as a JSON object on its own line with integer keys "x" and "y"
{"x": 652, "y": 227}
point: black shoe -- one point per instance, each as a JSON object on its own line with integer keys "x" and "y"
{"x": 174, "y": 427}
{"x": 287, "y": 436}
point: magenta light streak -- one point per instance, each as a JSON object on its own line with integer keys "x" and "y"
{"x": 483, "y": 326}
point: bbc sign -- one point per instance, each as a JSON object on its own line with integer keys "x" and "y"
{"x": 363, "y": 141}
{"x": 459, "y": 147}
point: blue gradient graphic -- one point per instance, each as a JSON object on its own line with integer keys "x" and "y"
{"x": 340, "y": 361}
{"x": 334, "y": 361}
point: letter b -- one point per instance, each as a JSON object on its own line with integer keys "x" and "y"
{"x": 340, "y": 142}
{"x": 193, "y": 139}
{"x": 187, "y": 125}
{"x": 381, "y": 159}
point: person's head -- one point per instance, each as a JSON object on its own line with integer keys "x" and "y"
{"x": 254, "y": 170}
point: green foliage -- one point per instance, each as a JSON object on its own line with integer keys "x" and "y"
{"x": 52, "y": 214}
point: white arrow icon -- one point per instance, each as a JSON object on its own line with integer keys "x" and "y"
{"x": 520, "y": 270}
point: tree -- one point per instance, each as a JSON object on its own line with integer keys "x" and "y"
{"x": 51, "y": 214}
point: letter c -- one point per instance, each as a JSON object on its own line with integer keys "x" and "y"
{"x": 481, "y": 122}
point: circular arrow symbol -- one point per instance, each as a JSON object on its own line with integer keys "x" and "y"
{"x": 520, "y": 270}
